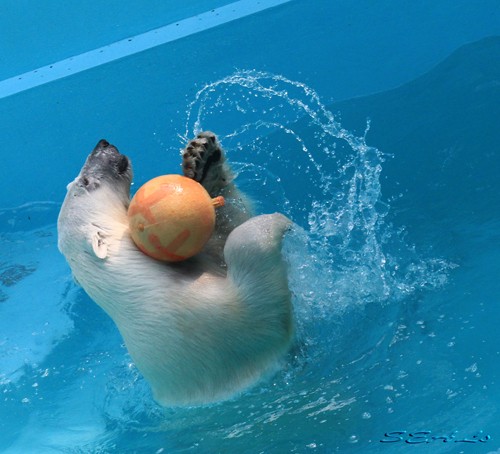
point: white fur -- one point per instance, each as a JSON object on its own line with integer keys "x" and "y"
{"x": 196, "y": 335}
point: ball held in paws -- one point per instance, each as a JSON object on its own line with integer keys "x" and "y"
{"x": 171, "y": 217}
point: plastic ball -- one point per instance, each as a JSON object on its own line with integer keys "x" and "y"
{"x": 172, "y": 217}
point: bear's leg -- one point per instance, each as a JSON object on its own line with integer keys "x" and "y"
{"x": 257, "y": 268}
{"x": 204, "y": 161}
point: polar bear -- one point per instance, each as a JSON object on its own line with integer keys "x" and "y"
{"x": 199, "y": 331}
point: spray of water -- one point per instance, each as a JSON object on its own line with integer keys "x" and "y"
{"x": 330, "y": 183}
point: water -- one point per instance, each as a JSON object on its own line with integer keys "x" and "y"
{"x": 374, "y": 311}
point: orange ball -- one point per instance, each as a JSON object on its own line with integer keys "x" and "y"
{"x": 171, "y": 217}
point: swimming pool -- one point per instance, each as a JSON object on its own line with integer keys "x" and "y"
{"x": 394, "y": 267}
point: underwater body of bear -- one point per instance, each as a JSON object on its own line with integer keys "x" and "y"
{"x": 201, "y": 330}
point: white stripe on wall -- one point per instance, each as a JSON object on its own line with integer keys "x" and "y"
{"x": 134, "y": 45}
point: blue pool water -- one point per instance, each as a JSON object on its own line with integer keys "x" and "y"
{"x": 373, "y": 126}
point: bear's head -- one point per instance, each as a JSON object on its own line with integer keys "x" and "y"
{"x": 104, "y": 166}
{"x": 96, "y": 202}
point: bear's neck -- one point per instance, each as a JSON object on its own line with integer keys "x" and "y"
{"x": 122, "y": 282}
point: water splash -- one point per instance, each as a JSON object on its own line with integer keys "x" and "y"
{"x": 329, "y": 183}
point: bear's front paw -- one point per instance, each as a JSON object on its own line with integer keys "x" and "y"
{"x": 202, "y": 159}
